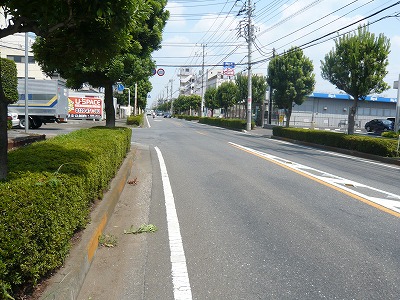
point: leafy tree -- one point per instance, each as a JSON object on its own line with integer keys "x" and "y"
{"x": 210, "y": 99}
{"x": 194, "y": 102}
{"x": 8, "y": 94}
{"x": 97, "y": 30}
{"x": 258, "y": 89}
{"x": 357, "y": 66}
{"x": 227, "y": 95}
{"x": 291, "y": 75}
{"x": 242, "y": 84}
{"x": 132, "y": 62}
{"x": 143, "y": 88}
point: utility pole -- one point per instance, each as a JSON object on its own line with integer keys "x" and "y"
{"x": 249, "y": 44}
{"x": 135, "y": 109}
{"x": 270, "y": 97}
{"x": 172, "y": 102}
{"x": 202, "y": 85}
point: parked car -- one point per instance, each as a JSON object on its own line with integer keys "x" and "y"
{"x": 379, "y": 125}
{"x": 167, "y": 115}
{"x": 13, "y": 117}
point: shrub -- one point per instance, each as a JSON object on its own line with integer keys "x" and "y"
{"x": 236, "y": 124}
{"x": 390, "y": 134}
{"x": 365, "y": 144}
{"x": 187, "y": 117}
{"x": 135, "y": 120}
{"x": 47, "y": 195}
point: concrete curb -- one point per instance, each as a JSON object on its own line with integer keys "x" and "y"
{"x": 68, "y": 280}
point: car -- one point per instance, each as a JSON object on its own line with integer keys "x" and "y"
{"x": 379, "y": 125}
{"x": 13, "y": 117}
{"x": 167, "y": 115}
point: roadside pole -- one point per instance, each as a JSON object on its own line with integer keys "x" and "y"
{"x": 396, "y": 84}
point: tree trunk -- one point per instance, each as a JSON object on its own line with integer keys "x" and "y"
{"x": 352, "y": 115}
{"x": 109, "y": 105}
{"x": 288, "y": 113}
{"x": 3, "y": 139}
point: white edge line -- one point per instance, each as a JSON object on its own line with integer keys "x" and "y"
{"x": 148, "y": 123}
{"x": 180, "y": 277}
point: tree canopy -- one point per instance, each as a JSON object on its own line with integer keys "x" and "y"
{"x": 132, "y": 62}
{"x": 292, "y": 78}
{"x": 357, "y": 66}
{"x": 210, "y": 99}
{"x": 227, "y": 95}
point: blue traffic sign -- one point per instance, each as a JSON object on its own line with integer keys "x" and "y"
{"x": 120, "y": 87}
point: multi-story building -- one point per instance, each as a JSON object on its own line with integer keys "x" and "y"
{"x": 13, "y": 48}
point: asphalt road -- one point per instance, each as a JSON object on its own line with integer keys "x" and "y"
{"x": 258, "y": 219}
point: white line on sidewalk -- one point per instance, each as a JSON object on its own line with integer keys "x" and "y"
{"x": 180, "y": 277}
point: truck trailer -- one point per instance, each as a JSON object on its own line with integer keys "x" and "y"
{"x": 47, "y": 102}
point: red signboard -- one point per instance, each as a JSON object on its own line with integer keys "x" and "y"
{"x": 85, "y": 107}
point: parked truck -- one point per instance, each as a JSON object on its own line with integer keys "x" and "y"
{"x": 47, "y": 102}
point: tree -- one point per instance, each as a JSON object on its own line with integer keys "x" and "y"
{"x": 132, "y": 62}
{"x": 291, "y": 75}
{"x": 210, "y": 99}
{"x": 194, "y": 102}
{"x": 8, "y": 94}
{"x": 258, "y": 89}
{"x": 357, "y": 66}
{"x": 97, "y": 30}
{"x": 227, "y": 95}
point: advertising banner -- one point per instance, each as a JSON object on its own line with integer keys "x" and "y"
{"x": 85, "y": 108}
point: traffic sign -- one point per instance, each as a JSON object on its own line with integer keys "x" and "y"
{"x": 120, "y": 87}
{"x": 160, "y": 72}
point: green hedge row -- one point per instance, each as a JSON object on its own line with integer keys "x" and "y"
{"x": 135, "y": 120}
{"x": 377, "y": 146}
{"x": 47, "y": 196}
{"x": 187, "y": 117}
{"x": 236, "y": 124}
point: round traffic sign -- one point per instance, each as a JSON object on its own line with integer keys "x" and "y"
{"x": 160, "y": 72}
{"x": 153, "y": 72}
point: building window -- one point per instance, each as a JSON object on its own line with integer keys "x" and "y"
{"x": 21, "y": 58}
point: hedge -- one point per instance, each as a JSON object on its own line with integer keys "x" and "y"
{"x": 236, "y": 124}
{"x": 371, "y": 145}
{"x": 47, "y": 196}
{"x": 135, "y": 120}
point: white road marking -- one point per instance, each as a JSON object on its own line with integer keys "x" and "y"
{"x": 148, "y": 123}
{"x": 180, "y": 277}
{"x": 341, "y": 155}
{"x": 386, "y": 199}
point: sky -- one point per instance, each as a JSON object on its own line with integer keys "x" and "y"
{"x": 213, "y": 26}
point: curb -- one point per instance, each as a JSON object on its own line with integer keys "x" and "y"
{"x": 24, "y": 140}
{"x": 68, "y": 280}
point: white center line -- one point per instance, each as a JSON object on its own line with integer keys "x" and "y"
{"x": 180, "y": 277}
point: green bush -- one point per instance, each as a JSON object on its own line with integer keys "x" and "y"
{"x": 46, "y": 199}
{"x": 135, "y": 120}
{"x": 365, "y": 144}
{"x": 236, "y": 124}
{"x": 187, "y": 117}
{"x": 390, "y": 134}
